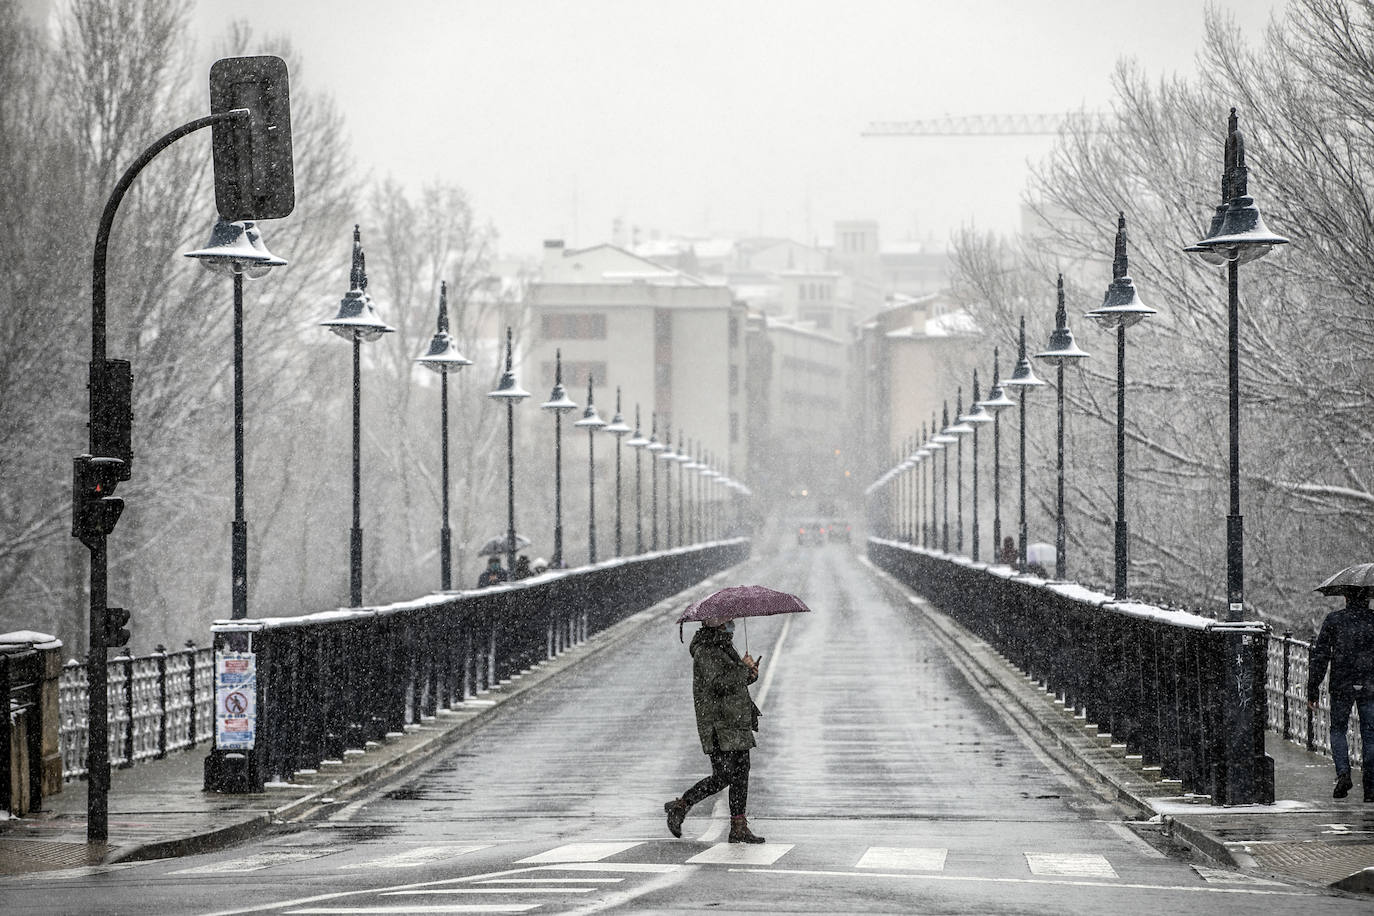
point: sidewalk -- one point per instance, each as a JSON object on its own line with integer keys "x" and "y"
{"x": 159, "y": 808}
{"x": 1306, "y": 835}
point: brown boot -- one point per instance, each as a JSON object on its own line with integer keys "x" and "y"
{"x": 739, "y": 831}
{"x": 677, "y": 813}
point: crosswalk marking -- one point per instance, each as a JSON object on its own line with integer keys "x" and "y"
{"x": 577, "y": 852}
{"x": 1222, "y": 876}
{"x": 914, "y": 858}
{"x": 413, "y": 858}
{"x": 627, "y": 867}
{"x": 457, "y": 891}
{"x": 741, "y": 854}
{"x": 1070, "y": 865}
{"x": 550, "y": 880}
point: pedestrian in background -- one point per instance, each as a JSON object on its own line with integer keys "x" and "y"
{"x": 1346, "y": 643}
{"x": 522, "y": 567}
{"x": 726, "y": 721}
{"x": 494, "y": 574}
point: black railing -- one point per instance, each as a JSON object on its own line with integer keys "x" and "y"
{"x": 1152, "y": 678}
{"x": 158, "y": 703}
{"x": 1289, "y": 714}
{"x": 329, "y": 683}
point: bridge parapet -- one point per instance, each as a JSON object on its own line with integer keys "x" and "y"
{"x": 312, "y": 688}
{"x": 1185, "y": 692}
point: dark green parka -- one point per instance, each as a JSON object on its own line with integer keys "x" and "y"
{"x": 726, "y": 715}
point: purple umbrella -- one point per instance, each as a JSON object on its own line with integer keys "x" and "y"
{"x": 741, "y": 601}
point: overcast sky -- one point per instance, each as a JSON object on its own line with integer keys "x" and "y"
{"x": 715, "y": 116}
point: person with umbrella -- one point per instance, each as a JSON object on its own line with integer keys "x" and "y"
{"x": 494, "y": 574}
{"x": 1346, "y": 644}
{"x": 725, "y": 712}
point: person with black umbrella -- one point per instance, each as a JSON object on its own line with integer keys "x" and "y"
{"x": 1345, "y": 643}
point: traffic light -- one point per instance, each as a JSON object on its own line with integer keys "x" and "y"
{"x": 95, "y": 510}
{"x": 116, "y": 618}
{"x": 254, "y": 172}
{"x": 112, "y": 384}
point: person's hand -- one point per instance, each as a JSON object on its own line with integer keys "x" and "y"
{"x": 750, "y": 663}
{"x": 1312, "y": 705}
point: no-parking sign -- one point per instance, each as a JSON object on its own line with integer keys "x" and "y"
{"x": 236, "y": 700}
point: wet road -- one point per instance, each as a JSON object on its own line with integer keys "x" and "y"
{"x": 883, "y": 782}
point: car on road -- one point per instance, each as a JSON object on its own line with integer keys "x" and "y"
{"x": 839, "y": 530}
{"x": 810, "y": 534}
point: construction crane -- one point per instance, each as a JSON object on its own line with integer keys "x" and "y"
{"x": 997, "y": 125}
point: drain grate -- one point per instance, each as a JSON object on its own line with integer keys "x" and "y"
{"x": 1323, "y": 862}
{"x": 21, "y": 857}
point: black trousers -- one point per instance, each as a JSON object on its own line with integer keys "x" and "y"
{"x": 728, "y": 768}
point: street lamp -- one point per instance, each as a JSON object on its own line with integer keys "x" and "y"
{"x": 996, "y": 402}
{"x": 959, "y": 430}
{"x": 682, "y": 459}
{"x": 1063, "y": 350}
{"x": 933, "y": 445}
{"x": 617, "y": 428}
{"x": 591, "y": 421}
{"x": 509, "y": 390}
{"x": 655, "y": 449}
{"x": 357, "y": 321}
{"x": 237, "y": 248}
{"x": 558, "y": 403}
{"x": 976, "y": 417}
{"x": 944, "y": 438}
{"x": 638, "y": 443}
{"x": 1023, "y": 377}
{"x": 1237, "y": 235}
{"x": 1120, "y": 309}
{"x": 669, "y": 459}
{"x": 443, "y": 357}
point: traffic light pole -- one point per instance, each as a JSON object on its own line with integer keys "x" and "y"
{"x": 98, "y": 752}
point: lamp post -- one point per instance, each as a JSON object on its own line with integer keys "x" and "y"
{"x": 558, "y": 404}
{"x": 996, "y": 402}
{"x": 591, "y": 422}
{"x": 922, "y": 454}
{"x": 1023, "y": 378}
{"x": 977, "y": 416}
{"x": 509, "y": 390}
{"x": 655, "y": 450}
{"x": 443, "y": 357}
{"x": 959, "y": 430}
{"x": 236, "y": 248}
{"x": 1237, "y": 235}
{"x": 682, "y": 459}
{"x": 669, "y": 459}
{"x": 638, "y": 443}
{"x": 1120, "y": 309}
{"x": 935, "y": 446}
{"x": 1063, "y": 350}
{"x": 944, "y": 439}
{"x": 618, "y": 428}
{"x": 357, "y": 321}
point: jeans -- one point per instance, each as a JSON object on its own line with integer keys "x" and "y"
{"x": 728, "y": 768}
{"x": 1341, "y": 702}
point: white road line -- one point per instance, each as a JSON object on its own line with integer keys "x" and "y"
{"x": 773, "y": 666}
{"x": 1113, "y": 885}
{"x": 624, "y": 867}
{"x": 1138, "y": 843}
{"x": 550, "y": 880}
{"x": 450, "y": 908}
{"x": 741, "y": 854}
{"x": 255, "y": 862}
{"x": 577, "y": 852}
{"x": 1069, "y": 865}
{"x": 914, "y": 858}
{"x": 457, "y": 891}
{"x": 414, "y": 858}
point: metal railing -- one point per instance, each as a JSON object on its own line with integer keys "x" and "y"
{"x": 331, "y": 683}
{"x": 1289, "y": 715}
{"x": 1160, "y": 682}
{"x": 159, "y": 703}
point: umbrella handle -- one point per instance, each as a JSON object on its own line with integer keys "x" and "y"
{"x": 746, "y": 634}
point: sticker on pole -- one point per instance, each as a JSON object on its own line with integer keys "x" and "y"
{"x": 236, "y": 700}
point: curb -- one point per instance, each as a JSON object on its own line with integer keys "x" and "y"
{"x": 507, "y": 696}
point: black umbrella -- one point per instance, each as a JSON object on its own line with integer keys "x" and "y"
{"x": 1353, "y": 581}
{"x": 497, "y": 545}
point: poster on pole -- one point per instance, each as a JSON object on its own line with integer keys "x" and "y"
{"x": 236, "y": 700}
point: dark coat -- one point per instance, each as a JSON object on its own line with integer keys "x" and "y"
{"x": 1346, "y": 643}
{"x": 492, "y": 575}
{"x": 726, "y": 715}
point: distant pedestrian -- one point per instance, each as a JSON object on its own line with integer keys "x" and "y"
{"x": 1346, "y": 643}
{"x": 522, "y": 568}
{"x": 1008, "y": 556}
{"x": 494, "y": 574}
{"x": 726, "y": 721}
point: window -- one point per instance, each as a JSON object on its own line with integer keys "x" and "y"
{"x": 574, "y": 326}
